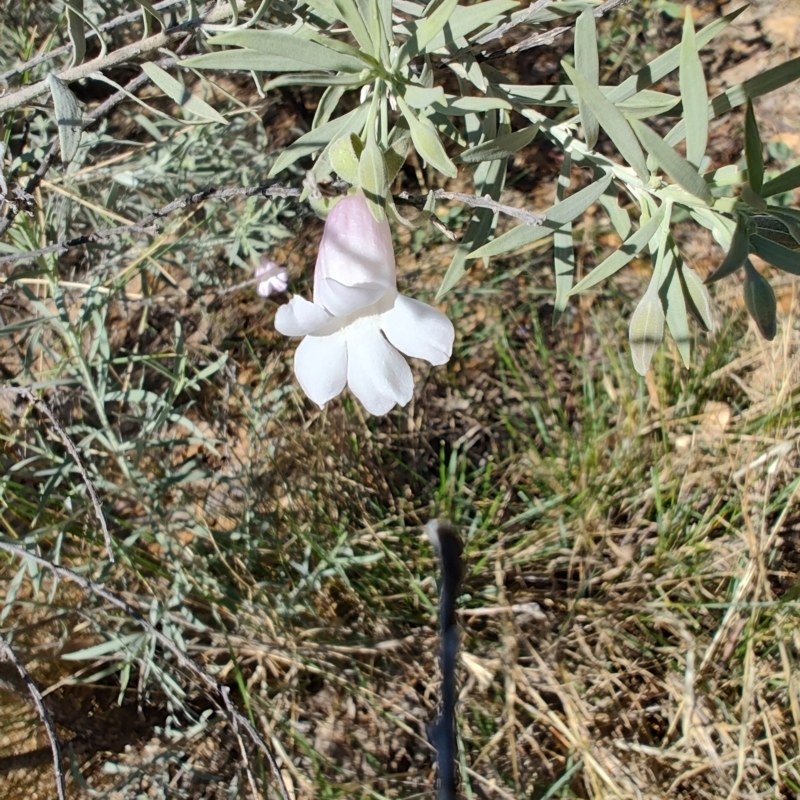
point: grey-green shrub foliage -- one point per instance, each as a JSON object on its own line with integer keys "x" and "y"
{"x": 390, "y": 51}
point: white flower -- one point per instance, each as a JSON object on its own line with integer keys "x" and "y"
{"x": 275, "y": 278}
{"x": 358, "y": 317}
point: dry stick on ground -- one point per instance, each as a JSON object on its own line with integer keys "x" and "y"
{"x": 236, "y": 719}
{"x": 8, "y": 654}
{"x": 73, "y": 451}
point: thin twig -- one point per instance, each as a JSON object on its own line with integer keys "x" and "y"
{"x": 106, "y": 26}
{"x": 29, "y": 93}
{"x": 183, "y": 660}
{"x": 73, "y": 451}
{"x": 95, "y": 115}
{"x": 474, "y": 201}
{"x": 146, "y": 225}
{"x": 8, "y": 654}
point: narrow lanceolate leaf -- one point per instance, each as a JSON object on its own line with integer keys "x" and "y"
{"x": 698, "y": 300}
{"x": 674, "y": 304}
{"x": 248, "y": 59}
{"x": 620, "y": 218}
{"x": 563, "y": 247}
{"x": 761, "y": 84}
{"x": 466, "y": 19}
{"x": 426, "y": 141}
{"x": 321, "y": 137}
{"x": 425, "y": 30}
{"x": 612, "y": 122}
{"x": 694, "y": 94}
{"x": 753, "y": 150}
{"x": 738, "y": 252}
{"x": 759, "y": 299}
{"x": 372, "y": 178}
{"x": 308, "y": 55}
{"x": 68, "y": 117}
{"x": 556, "y": 217}
{"x": 76, "y": 29}
{"x": 782, "y": 183}
{"x": 350, "y": 14}
{"x": 178, "y": 93}
{"x": 502, "y": 146}
{"x": 646, "y": 330}
{"x": 630, "y": 248}
{"x": 489, "y": 178}
{"x": 678, "y": 168}
{"x": 587, "y": 63}
{"x": 776, "y": 254}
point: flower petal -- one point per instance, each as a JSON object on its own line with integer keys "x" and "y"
{"x": 376, "y": 373}
{"x": 320, "y": 365}
{"x": 299, "y": 317}
{"x": 419, "y": 330}
{"x": 356, "y": 251}
{"x": 341, "y": 300}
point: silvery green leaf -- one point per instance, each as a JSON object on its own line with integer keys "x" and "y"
{"x": 646, "y": 104}
{"x": 244, "y": 59}
{"x": 421, "y": 97}
{"x": 620, "y": 218}
{"x": 680, "y": 170}
{"x": 179, "y": 94}
{"x": 489, "y": 178}
{"x": 372, "y": 177}
{"x": 68, "y": 117}
{"x": 736, "y": 255}
{"x": 348, "y": 80}
{"x": 76, "y": 29}
{"x": 395, "y": 156}
{"x": 463, "y": 21}
{"x": 782, "y": 183}
{"x": 612, "y": 122}
{"x": 298, "y": 53}
{"x": 310, "y": 142}
{"x": 426, "y": 141}
{"x": 563, "y": 246}
{"x": 697, "y": 298}
{"x": 629, "y": 249}
{"x": 753, "y": 149}
{"x": 499, "y": 147}
{"x": 444, "y": 125}
{"x": 776, "y": 254}
{"x": 587, "y": 63}
{"x": 149, "y": 16}
{"x": 344, "y": 158}
{"x": 693, "y": 94}
{"x": 759, "y": 299}
{"x": 646, "y": 331}
{"x": 721, "y": 227}
{"x": 767, "y": 81}
{"x": 556, "y": 217}
{"x": 662, "y": 65}
{"x": 729, "y": 175}
{"x": 350, "y": 14}
{"x": 461, "y": 106}
{"x": 424, "y": 30}
{"x": 328, "y": 103}
{"x": 674, "y": 304}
